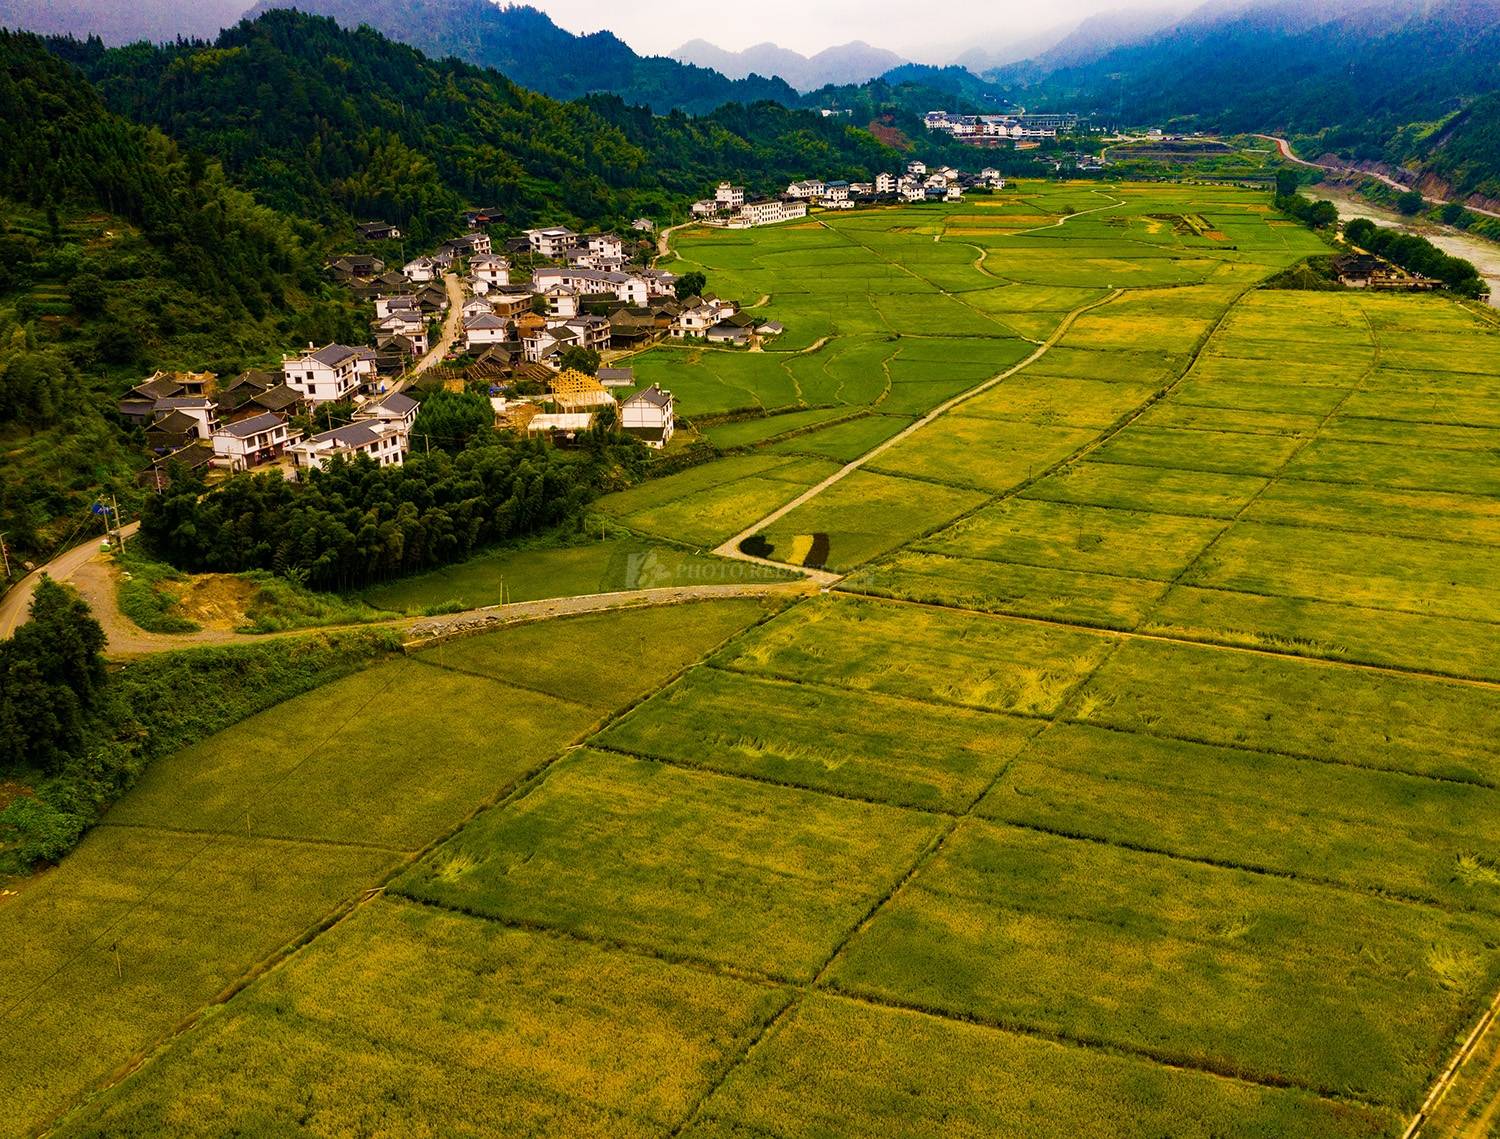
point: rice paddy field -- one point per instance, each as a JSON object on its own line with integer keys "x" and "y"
{"x": 1136, "y": 773}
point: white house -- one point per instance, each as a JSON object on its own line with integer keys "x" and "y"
{"x": 592, "y": 331}
{"x": 806, "y": 190}
{"x": 729, "y": 197}
{"x": 408, "y": 324}
{"x": 383, "y": 443}
{"x": 322, "y": 375}
{"x": 835, "y": 192}
{"x": 396, "y": 408}
{"x": 705, "y": 208}
{"x": 493, "y": 271}
{"x": 200, "y": 409}
{"x": 485, "y": 328}
{"x": 885, "y": 183}
{"x": 554, "y": 241}
{"x": 694, "y": 321}
{"x": 562, "y": 301}
{"x": 769, "y": 212}
{"x": 250, "y": 442}
{"x": 647, "y": 415}
{"x": 604, "y": 245}
{"x": 384, "y": 306}
{"x": 643, "y": 225}
{"x": 917, "y": 168}
{"x": 420, "y": 270}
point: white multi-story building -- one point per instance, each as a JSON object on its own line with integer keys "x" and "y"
{"x": 604, "y": 245}
{"x": 485, "y": 328}
{"x": 492, "y": 270}
{"x": 648, "y": 416}
{"x": 807, "y": 190}
{"x": 396, "y": 408}
{"x": 250, "y": 442}
{"x": 885, "y": 183}
{"x": 554, "y": 241}
{"x": 382, "y": 442}
{"x": 322, "y": 375}
{"x": 768, "y": 212}
{"x": 420, "y": 270}
{"x": 917, "y": 168}
{"x": 729, "y": 197}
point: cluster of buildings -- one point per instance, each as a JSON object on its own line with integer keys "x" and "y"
{"x": 584, "y": 290}
{"x": 192, "y": 419}
{"x": 729, "y": 206}
{"x": 995, "y": 129}
{"x": 573, "y": 400}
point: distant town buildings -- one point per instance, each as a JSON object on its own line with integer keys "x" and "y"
{"x": 995, "y": 128}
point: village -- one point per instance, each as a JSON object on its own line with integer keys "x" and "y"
{"x": 540, "y": 325}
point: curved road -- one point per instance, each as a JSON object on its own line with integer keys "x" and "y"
{"x": 89, "y": 571}
{"x": 1285, "y": 148}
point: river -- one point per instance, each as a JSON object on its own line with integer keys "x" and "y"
{"x": 1484, "y": 254}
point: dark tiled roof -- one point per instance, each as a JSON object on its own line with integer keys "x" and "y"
{"x": 278, "y": 398}
{"x": 333, "y": 355}
{"x": 253, "y": 426}
{"x": 652, "y": 395}
{"x": 396, "y": 403}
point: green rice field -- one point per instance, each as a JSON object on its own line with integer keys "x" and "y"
{"x": 1136, "y": 771}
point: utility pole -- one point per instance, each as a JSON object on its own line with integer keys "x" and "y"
{"x": 119, "y": 528}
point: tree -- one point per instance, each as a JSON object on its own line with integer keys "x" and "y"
{"x": 1286, "y": 183}
{"x": 86, "y": 293}
{"x": 1322, "y": 214}
{"x": 51, "y": 677}
{"x": 690, "y": 285}
{"x": 1455, "y": 215}
{"x": 580, "y": 359}
{"x": 1411, "y": 203}
{"x": 1359, "y": 231}
{"x": 452, "y": 420}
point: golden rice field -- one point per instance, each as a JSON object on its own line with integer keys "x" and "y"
{"x": 1137, "y": 775}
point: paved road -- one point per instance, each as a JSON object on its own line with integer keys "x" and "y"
{"x": 95, "y": 577}
{"x": 15, "y": 606}
{"x": 1286, "y": 152}
{"x": 449, "y": 334}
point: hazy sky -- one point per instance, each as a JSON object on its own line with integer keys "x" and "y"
{"x": 918, "y": 29}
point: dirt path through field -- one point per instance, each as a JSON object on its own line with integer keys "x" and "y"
{"x": 731, "y": 548}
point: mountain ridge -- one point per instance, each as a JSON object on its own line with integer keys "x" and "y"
{"x": 849, "y": 63}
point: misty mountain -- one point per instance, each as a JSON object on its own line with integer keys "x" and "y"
{"x": 121, "y": 21}
{"x": 1373, "y": 80}
{"x": 526, "y": 46}
{"x": 847, "y": 63}
{"x": 1290, "y": 65}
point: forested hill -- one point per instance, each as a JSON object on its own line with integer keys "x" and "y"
{"x": 525, "y": 45}
{"x": 1371, "y": 81}
{"x": 119, "y": 252}
{"x": 328, "y": 123}
{"x": 60, "y": 146}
